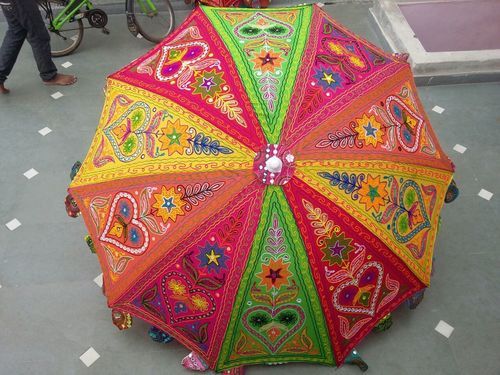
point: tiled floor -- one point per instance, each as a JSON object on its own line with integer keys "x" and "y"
{"x": 52, "y": 311}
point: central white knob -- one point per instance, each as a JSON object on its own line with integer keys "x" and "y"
{"x": 274, "y": 164}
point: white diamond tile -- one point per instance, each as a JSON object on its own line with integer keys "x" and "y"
{"x": 89, "y": 357}
{"x": 13, "y": 224}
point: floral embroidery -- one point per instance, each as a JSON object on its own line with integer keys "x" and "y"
{"x": 174, "y": 138}
{"x": 328, "y": 79}
{"x": 336, "y": 248}
{"x": 373, "y": 193}
{"x": 199, "y": 303}
{"x": 169, "y": 204}
{"x": 212, "y": 256}
{"x": 369, "y": 130}
{"x": 177, "y": 287}
{"x": 208, "y": 84}
{"x": 275, "y": 273}
{"x": 267, "y": 61}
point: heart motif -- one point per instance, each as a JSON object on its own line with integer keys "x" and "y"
{"x": 412, "y": 217}
{"x": 360, "y": 294}
{"x": 176, "y": 58}
{"x": 273, "y": 327}
{"x": 185, "y": 303}
{"x": 126, "y": 134}
{"x": 409, "y": 124}
{"x": 123, "y": 229}
{"x": 261, "y": 25}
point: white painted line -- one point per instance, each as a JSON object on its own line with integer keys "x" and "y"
{"x": 139, "y": 36}
{"x": 45, "y": 131}
{"x": 485, "y": 194}
{"x": 13, "y": 224}
{"x": 30, "y": 173}
{"x": 438, "y": 109}
{"x": 321, "y": 5}
{"x": 89, "y": 357}
{"x": 444, "y": 328}
{"x": 98, "y": 280}
{"x": 66, "y": 65}
{"x": 57, "y": 95}
{"x": 459, "y": 148}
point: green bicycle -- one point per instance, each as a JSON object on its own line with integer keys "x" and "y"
{"x": 152, "y": 19}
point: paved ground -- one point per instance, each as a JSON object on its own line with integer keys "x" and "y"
{"x": 51, "y": 311}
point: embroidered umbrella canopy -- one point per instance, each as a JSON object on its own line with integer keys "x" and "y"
{"x": 264, "y": 186}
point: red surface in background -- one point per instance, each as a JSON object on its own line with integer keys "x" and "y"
{"x": 455, "y": 26}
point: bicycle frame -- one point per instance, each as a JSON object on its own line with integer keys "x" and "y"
{"x": 152, "y": 8}
{"x": 69, "y": 12}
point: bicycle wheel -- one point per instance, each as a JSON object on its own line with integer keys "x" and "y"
{"x": 67, "y": 39}
{"x": 154, "y": 18}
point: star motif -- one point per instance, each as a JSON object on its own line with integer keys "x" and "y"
{"x": 336, "y": 249}
{"x": 373, "y": 192}
{"x": 370, "y": 130}
{"x": 208, "y": 83}
{"x": 212, "y": 257}
{"x": 267, "y": 59}
{"x": 168, "y": 203}
{"x": 274, "y": 274}
{"x": 328, "y": 78}
{"x": 174, "y": 137}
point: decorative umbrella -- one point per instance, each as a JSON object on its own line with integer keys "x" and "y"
{"x": 264, "y": 186}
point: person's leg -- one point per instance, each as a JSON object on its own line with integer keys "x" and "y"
{"x": 38, "y": 37}
{"x": 12, "y": 43}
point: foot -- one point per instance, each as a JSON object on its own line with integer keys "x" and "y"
{"x": 3, "y": 89}
{"x": 61, "y": 80}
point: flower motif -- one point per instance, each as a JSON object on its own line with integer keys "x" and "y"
{"x": 174, "y": 137}
{"x": 129, "y": 145}
{"x": 267, "y": 61}
{"x": 137, "y": 116}
{"x": 275, "y": 274}
{"x": 327, "y": 79}
{"x": 208, "y": 84}
{"x": 212, "y": 257}
{"x": 168, "y": 204}
{"x": 337, "y": 249}
{"x": 369, "y": 130}
{"x": 177, "y": 288}
{"x": 373, "y": 193}
{"x": 199, "y": 303}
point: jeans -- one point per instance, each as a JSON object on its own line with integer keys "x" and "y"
{"x": 25, "y": 22}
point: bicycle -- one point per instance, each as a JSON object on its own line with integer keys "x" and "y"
{"x": 153, "y": 19}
